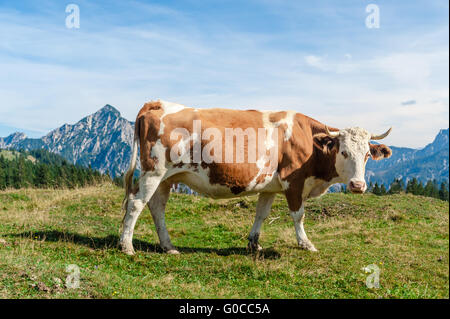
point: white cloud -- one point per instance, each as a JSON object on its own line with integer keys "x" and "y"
{"x": 315, "y": 61}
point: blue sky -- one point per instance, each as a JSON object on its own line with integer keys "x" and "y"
{"x": 315, "y": 57}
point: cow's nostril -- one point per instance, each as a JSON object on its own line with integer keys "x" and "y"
{"x": 357, "y": 185}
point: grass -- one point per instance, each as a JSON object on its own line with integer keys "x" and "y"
{"x": 43, "y": 231}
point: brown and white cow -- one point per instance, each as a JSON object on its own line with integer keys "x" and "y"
{"x": 296, "y": 156}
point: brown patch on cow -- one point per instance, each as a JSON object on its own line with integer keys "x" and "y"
{"x": 146, "y": 128}
{"x": 151, "y": 106}
{"x": 325, "y": 142}
{"x": 261, "y": 178}
{"x": 276, "y": 117}
{"x": 379, "y": 151}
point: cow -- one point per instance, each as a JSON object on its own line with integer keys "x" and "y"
{"x": 294, "y": 155}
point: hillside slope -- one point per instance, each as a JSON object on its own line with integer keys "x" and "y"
{"x": 43, "y": 231}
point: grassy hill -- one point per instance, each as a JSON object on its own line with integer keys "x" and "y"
{"x": 11, "y": 155}
{"x": 43, "y": 231}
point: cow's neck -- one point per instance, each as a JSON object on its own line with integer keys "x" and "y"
{"x": 322, "y": 174}
{"x": 324, "y": 165}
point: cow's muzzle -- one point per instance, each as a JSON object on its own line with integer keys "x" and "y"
{"x": 357, "y": 187}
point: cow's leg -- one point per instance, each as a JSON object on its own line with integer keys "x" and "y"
{"x": 148, "y": 183}
{"x": 263, "y": 206}
{"x": 157, "y": 205}
{"x": 303, "y": 241}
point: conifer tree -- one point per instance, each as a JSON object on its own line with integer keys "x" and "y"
{"x": 383, "y": 190}
{"x": 376, "y": 190}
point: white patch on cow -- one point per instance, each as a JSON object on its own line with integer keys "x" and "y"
{"x": 315, "y": 187}
{"x": 284, "y": 184}
{"x": 159, "y": 152}
{"x": 197, "y": 178}
{"x": 183, "y": 155}
{"x": 302, "y": 239}
{"x": 289, "y": 121}
{"x": 169, "y": 108}
{"x": 263, "y": 206}
{"x": 262, "y": 161}
{"x": 270, "y": 126}
{"x": 270, "y": 184}
{"x": 355, "y": 142}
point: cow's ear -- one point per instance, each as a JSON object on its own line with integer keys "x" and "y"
{"x": 380, "y": 151}
{"x": 324, "y": 142}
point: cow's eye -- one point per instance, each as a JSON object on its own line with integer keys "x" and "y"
{"x": 344, "y": 153}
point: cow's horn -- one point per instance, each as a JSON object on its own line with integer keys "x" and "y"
{"x": 331, "y": 134}
{"x": 380, "y": 137}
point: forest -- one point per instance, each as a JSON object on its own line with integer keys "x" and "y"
{"x": 42, "y": 169}
{"x": 415, "y": 187}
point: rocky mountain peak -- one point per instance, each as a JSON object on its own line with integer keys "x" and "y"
{"x": 442, "y": 137}
{"x": 12, "y": 139}
{"x": 107, "y": 110}
{"x": 102, "y": 140}
{"x": 17, "y": 136}
{"x": 441, "y": 141}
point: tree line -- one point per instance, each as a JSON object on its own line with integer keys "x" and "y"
{"x": 42, "y": 169}
{"x": 429, "y": 189}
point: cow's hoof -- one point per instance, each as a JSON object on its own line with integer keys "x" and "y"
{"x": 173, "y": 252}
{"x": 129, "y": 252}
{"x": 254, "y": 247}
{"x": 307, "y": 246}
{"x": 127, "y": 249}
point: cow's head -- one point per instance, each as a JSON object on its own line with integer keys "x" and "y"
{"x": 352, "y": 149}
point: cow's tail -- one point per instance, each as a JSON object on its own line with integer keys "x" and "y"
{"x": 128, "y": 178}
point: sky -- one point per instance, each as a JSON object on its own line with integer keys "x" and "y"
{"x": 315, "y": 57}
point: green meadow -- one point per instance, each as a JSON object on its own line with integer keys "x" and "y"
{"x": 42, "y": 231}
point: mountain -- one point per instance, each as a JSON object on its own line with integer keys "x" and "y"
{"x": 430, "y": 162}
{"x": 103, "y": 140}
{"x": 12, "y": 140}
